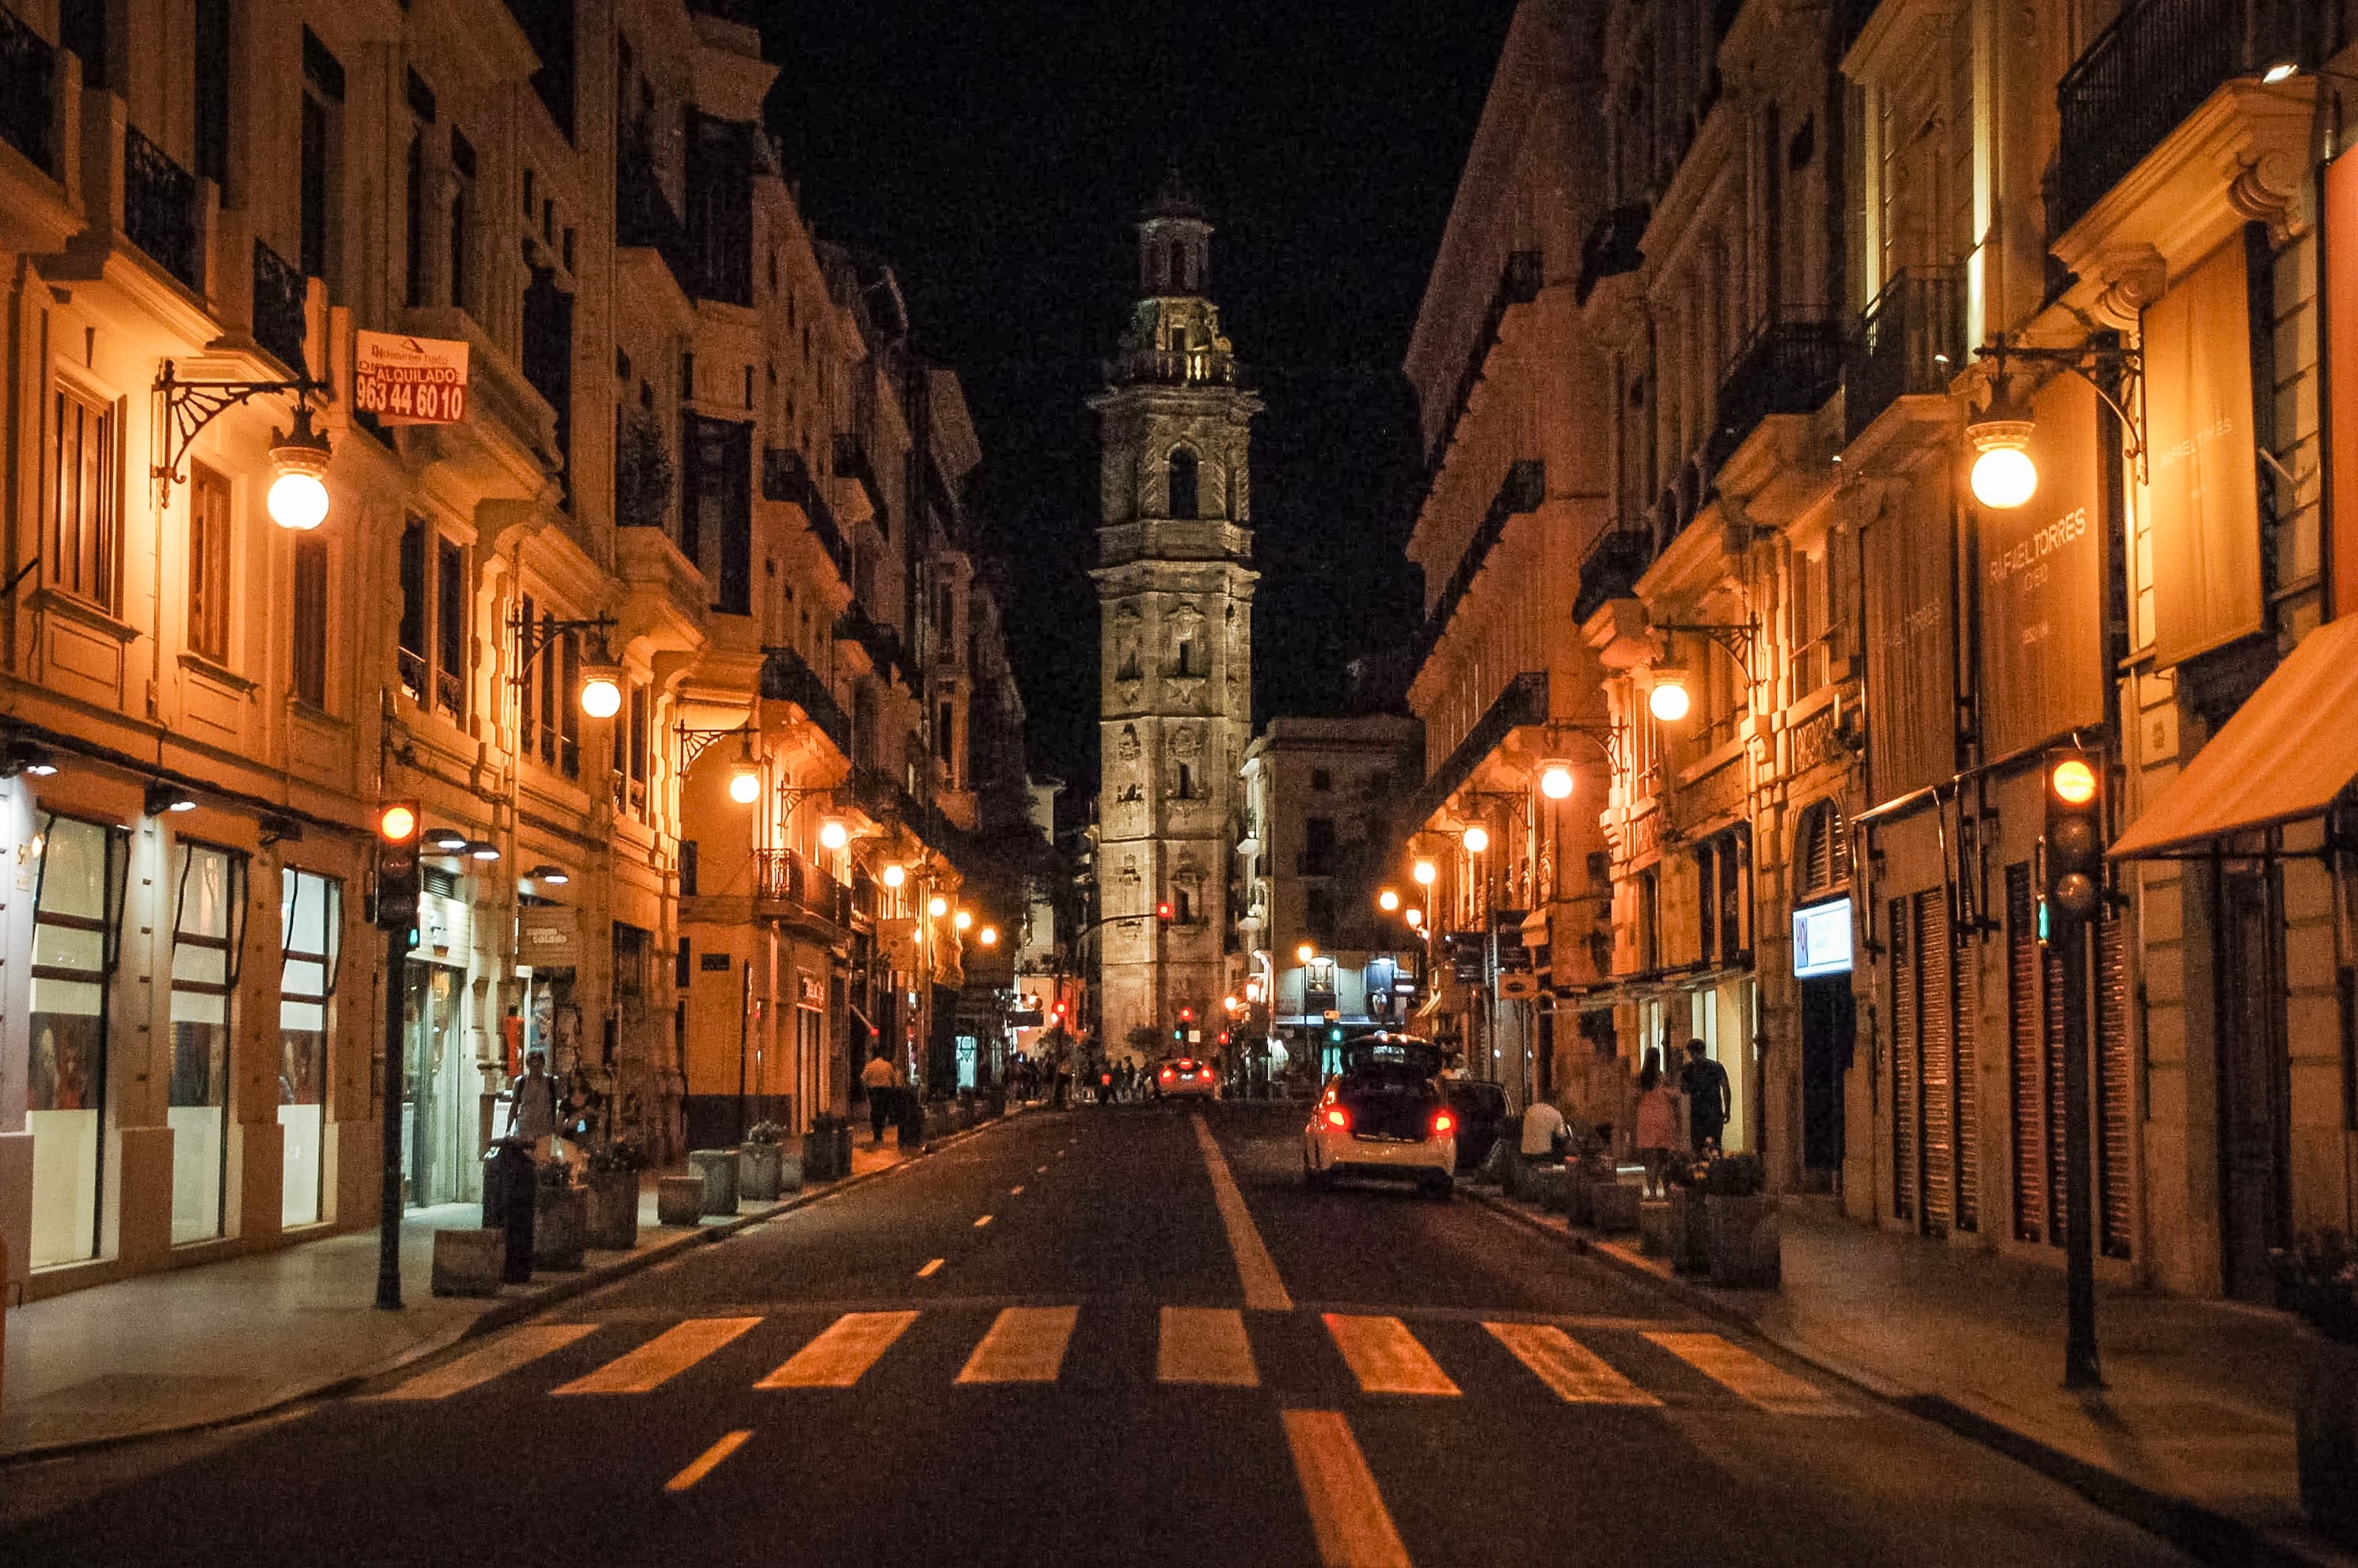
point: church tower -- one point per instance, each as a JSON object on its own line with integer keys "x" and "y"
{"x": 1174, "y": 596}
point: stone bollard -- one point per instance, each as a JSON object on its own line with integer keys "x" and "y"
{"x": 469, "y": 1262}
{"x": 679, "y": 1200}
{"x": 719, "y": 1168}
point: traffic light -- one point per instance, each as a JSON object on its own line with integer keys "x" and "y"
{"x": 1164, "y": 912}
{"x": 1186, "y": 1015}
{"x": 1334, "y": 1034}
{"x": 2074, "y": 881}
{"x": 396, "y": 865}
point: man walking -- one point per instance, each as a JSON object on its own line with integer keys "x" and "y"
{"x": 879, "y": 1079}
{"x": 1703, "y": 1082}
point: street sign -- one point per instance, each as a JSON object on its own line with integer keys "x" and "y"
{"x": 1518, "y": 985}
{"x": 409, "y": 381}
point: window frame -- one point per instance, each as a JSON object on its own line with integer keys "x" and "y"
{"x": 97, "y": 534}
{"x": 212, "y": 517}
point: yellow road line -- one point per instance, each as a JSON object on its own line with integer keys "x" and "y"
{"x": 1264, "y": 1292}
{"x": 707, "y": 1462}
{"x": 1742, "y": 1373}
{"x": 1205, "y": 1345}
{"x": 983, "y": 1221}
{"x": 1346, "y": 1512}
{"x": 1577, "y": 1373}
{"x": 665, "y": 1357}
{"x": 928, "y": 1272}
{"x": 1385, "y": 1358}
{"x": 844, "y": 1350}
{"x": 1025, "y": 1345}
{"x": 511, "y": 1351}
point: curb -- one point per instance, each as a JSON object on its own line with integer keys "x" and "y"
{"x": 506, "y": 1314}
{"x": 2204, "y": 1534}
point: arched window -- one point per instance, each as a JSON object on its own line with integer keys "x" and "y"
{"x": 1183, "y": 483}
{"x": 1187, "y": 790}
{"x": 1187, "y": 657}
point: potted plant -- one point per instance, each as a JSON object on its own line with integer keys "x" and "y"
{"x": 611, "y": 1197}
{"x": 1742, "y": 1244}
{"x": 2317, "y": 1278}
{"x": 560, "y": 1218}
{"x": 758, "y": 1159}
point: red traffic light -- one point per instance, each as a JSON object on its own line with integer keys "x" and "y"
{"x": 1186, "y": 1015}
{"x": 1162, "y": 910}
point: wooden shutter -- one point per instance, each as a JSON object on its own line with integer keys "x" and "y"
{"x": 1964, "y": 1002}
{"x": 2026, "y": 1070}
{"x": 1935, "y": 1061}
{"x": 1904, "y": 1078}
{"x": 2115, "y": 1104}
{"x": 2052, "y": 1090}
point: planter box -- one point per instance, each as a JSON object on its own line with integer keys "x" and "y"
{"x": 1654, "y": 1226}
{"x": 614, "y": 1210}
{"x": 560, "y": 1227}
{"x": 757, "y": 1171}
{"x": 1742, "y": 1240}
{"x": 1689, "y": 1250}
{"x": 679, "y": 1200}
{"x": 1549, "y": 1185}
{"x": 1613, "y": 1207}
{"x": 1577, "y": 1207}
{"x": 719, "y": 1168}
{"x": 819, "y": 1155}
{"x": 468, "y": 1262}
{"x": 2326, "y": 1436}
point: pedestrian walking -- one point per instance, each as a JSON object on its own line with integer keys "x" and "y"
{"x": 879, "y": 1078}
{"x": 532, "y": 1104}
{"x": 1658, "y": 1122}
{"x": 1709, "y": 1102}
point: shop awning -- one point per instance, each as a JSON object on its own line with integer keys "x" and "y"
{"x": 2285, "y": 755}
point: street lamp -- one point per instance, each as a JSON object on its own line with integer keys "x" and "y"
{"x": 1416, "y": 918}
{"x": 1555, "y": 781}
{"x": 895, "y": 874}
{"x": 937, "y": 906}
{"x": 1477, "y": 838}
{"x": 1388, "y": 901}
{"x": 1669, "y": 701}
{"x": 987, "y": 935}
{"x": 1304, "y": 953}
{"x": 298, "y": 495}
{"x": 963, "y": 919}
{"x": 2004, "y": 477}
{"x": 1425, "y": 873}
{"x": 833, "y": 834}
{"x": 551, "y": 876}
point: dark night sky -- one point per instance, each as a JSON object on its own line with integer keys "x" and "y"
{"x": 998, "y": 151}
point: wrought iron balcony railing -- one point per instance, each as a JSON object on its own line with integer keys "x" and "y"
{"x": 278, "y": 323}
{"x": 1518, "y": 284}
{"x": 883, "y": 644}
{"x": 28, "y": 86}
{"x": 781, "y": 877}
{"x": 1791, "y": 365}
{"x": 785, "y": 477}
{"x": 787, "y": 677}
{"x": 1523, "y": 701}
{"x": 1910, "y": 341}
{"x": 159, "y": 209}
{"x": 1614, "y": 563}
{"x": 1523, "y": 489}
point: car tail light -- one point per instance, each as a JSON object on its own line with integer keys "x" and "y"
{"x": 1167, "y": 1075}
{"x": 1443, "y": 1123}
{"x": 1337, "y": 1116}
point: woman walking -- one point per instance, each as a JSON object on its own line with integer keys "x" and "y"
{"x": 1658, "y": 1122}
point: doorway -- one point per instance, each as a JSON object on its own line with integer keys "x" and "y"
{"x": 2255, "y": 1137}
{"x": 1829, "y": 1030}
{"x": 437, "y": 1134}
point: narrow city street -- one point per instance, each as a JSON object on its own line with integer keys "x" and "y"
{"x": 1119, "y": 1334}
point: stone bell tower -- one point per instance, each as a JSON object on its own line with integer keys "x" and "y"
{"x": 1174, "y": 595}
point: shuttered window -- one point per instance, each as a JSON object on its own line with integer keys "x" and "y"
{"x": 2050, "y": 1054}
{"x": 2114, "y": 1099}
{"x": 1905, "y": 1086}
{"x": 1823, "y": 855}
{"x": 1963, "y": 1005}
{"x": 1935, "y": 1062}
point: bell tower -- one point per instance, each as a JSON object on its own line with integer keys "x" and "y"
{"x": 1174, "y": 594}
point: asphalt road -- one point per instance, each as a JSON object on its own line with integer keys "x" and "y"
{"x": 1106, "y": 1370}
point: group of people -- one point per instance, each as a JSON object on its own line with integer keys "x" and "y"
{"x": 1701, "y": 1091}
{"x": 557, "y": 1117}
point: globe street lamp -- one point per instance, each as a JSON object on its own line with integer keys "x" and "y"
{"x": 1425, "y": 873}
{"x": 1555, "y": 781}
{"x": 1388, "y": 901}
{"x": 1669, "y": 701}
{"x": 833, "y": 834}
{"x": 895, "y": 874}
{"x": 1477, "y": 838}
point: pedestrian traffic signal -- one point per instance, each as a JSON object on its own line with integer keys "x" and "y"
{"x": 2074, "y": 841}
{"x": 396, "y": 865}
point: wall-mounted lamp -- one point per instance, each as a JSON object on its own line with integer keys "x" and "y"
{"x": 1555, "y": 781}
{"x": 552, "y": 876}
{"x": 163, "y": 797}
{"x": 833, "y": 834}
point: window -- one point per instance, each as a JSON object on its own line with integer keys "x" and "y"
{"x": 1183, "y": 907}
{"x": 716, "y": 508}
{"x": 552, "y": 658}
{"x": 528, "y": 686}
{"x": 85, "y": 522}
{"x": 463, "y": 201}
{"x": 310, "y": 925}
{"x": 82, "y": 28}
{"x": 308, "y": 677}
{"x": 569, "y": 747}
{"x": 208, "y": 61}
{"x": 1187, "y": 664}
{"x": 1318, "y": 847}
{"x": 640, "y": 709}
{"x": 1318, "y": 913}
{"x": 414, "y": 219}
{"x": 687, "y": 848}
{"x": 77, "y": 902}
{"x": 1821, "y": 854}
{"x": 209, "y": 553}
{"x": 946, "y": 616}
{"x": 1320, "y": 780}
{"x": 1183, "y": 483}
{"x": 413, "y": 610}
{"x": 946, "y": 734}
{"x": 208, "y": 903}
{"x": 313, "y": 179}
{"x": 450, "y": 629}
{"x": 1186, "y": 789}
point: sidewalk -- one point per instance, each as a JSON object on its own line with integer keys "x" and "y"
{"x": 221, "y": 1342}
{"x": 2192, "y": 1437}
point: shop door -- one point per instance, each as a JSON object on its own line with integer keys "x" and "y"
{"x": 1829, "y": 1025}
{"x": 436, "y": 1152}
{"x": 2253, "y": 1139}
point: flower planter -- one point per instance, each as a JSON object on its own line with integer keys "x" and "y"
{"x": 819, "y": 1155}
{"x": 2326, "y": 1437}
{"x": 560, "y": 1227}
{"x": 757, "y": 1171}
{"x": 1742, "y": 1242}
{"x": 1689, "y": 1250}
{"x": 719, "y": 1168}
{"x": 679, "y": 1200}
{"x": 613, "y": 1210}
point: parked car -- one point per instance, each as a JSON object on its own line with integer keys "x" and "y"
{"x": 1383, "y": 1115}
{"x": 1481, "y": 1117}
{"x": 1184, "y": 1077}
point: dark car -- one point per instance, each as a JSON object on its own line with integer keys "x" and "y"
{"x": 1481, "y": 1117}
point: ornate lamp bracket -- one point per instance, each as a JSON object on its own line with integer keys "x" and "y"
{"x": 694, "y": 743}
{"x": 1739, "y": 637}
{"x": 2113, "y": 368}
{"x": 185, "y": 408}
{"x": 533, "y": 638}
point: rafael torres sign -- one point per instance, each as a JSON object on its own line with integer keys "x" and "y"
{"x": 409, "y": 381}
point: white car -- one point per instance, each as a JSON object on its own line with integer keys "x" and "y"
{"x": 1383, "y": 1115}
{"x": 1185, "y": 1078}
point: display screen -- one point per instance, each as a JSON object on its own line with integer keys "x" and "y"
{"x": 1821, "y": 940}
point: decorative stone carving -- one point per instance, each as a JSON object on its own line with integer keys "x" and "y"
{"x": 1126, "y": 747}
{"x": 2268, "y": 191}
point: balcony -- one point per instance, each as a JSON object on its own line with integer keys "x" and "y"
{"x": 1909, "y": 343}
{"x": 1791, "y": 365}
{"x": 1614, "y": 563}
{"x": 1611, "y": 247}
{"x": 2144, "y": 74}
{"x": 882, "y": 643}
{"x": 785, "y": 477}
{"x": 160, "y": 210}
{"x": 1524, "y": 490}
{"x": 852, "y": 462}
{"x": 29, "y": 76}
{"x": 643, "y": 216}
{"x": 1518, "y": 284}
{"x": 1172, "y": 367}
{"x": 785, "y": 677}
{"x": 1522, "y": 703}
{"x": 278, "y": 308}
{"x": 784, "y": 886}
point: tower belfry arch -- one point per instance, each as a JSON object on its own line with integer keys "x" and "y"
{"x": 1174, "y": 584}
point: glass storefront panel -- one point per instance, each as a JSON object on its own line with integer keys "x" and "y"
{"x": 202, "y": 975}
{"x": 437, "y": 1124}
{"x": 310, "y": 916}
{"x": 78, "y": 900}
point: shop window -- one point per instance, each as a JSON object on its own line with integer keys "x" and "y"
{"x": 208, "y": 564}
{"x": 208, "y": 907}
{"x": 78, "y": 903}
{"x": 308, "y": 622}
{"x": 311, "y": 923}
{"x": 85, "y": 513}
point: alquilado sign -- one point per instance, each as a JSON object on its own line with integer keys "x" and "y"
{"x": 409, "y": 381}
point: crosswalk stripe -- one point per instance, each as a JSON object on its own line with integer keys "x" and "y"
{"x": 1205, "y": 1345}
{"x": 1745, "y": 1375}
{"x": 1385, "y": 1358}
{"x": 1577, "y": 1374}
{"x": 1346, "y": 1511}
{"x": 1025, "y": 1345}
{"x": 932, "y": 1266}
{"x": 983, "y": 1221}
{"x": 514, "y": 1350}
{"x": 704, "y": 1463}
{"x": 665, "y": 1357}
{"x": 843, "y": 1350}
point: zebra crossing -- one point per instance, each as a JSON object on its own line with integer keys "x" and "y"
{"x": 1629, "y": 1366}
